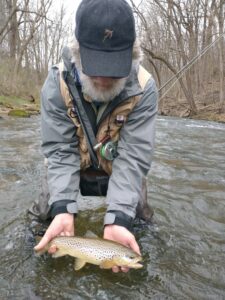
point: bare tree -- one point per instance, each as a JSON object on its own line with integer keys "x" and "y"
{"x": 34, "y": 25}
{"x": 220, "y": 15}
{"x": 175, "y": 35}
{"x": 32, "y": 34}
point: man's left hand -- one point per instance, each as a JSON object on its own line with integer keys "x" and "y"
{"x": 122, "y": 236}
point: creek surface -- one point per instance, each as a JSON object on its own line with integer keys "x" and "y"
{"x": 184, "y": 254}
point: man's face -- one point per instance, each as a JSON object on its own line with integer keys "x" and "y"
{"x": 103, "y": 89}
{"x": 104, "y": 83}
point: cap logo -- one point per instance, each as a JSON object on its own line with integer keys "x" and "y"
{"x": 107, "y": 34}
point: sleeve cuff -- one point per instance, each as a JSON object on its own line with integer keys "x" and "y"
{"x": 63, "y": 206}
{"x": 118, "y": 218}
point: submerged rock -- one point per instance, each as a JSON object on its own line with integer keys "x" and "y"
{"x": 19, "y": 113}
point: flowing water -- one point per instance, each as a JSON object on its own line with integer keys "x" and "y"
{"x": 184, "y": 255}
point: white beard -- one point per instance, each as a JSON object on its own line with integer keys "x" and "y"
{"x": 94, "y": 93}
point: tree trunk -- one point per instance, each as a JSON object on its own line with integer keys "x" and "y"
{"x": 13, "y": 33}
{"x": 221, "y": 56}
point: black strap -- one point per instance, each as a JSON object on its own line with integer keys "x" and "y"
{"x": 90, "y": 111}
{"x": 122, "y": 219}
{"x": 84, "y": 120}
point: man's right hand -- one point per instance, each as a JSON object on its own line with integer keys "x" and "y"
{"x": 62, "y": 224}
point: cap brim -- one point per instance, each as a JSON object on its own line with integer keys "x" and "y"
{"x": 105, "y": 63}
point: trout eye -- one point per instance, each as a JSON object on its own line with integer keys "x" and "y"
{"x": 131, "y": 256}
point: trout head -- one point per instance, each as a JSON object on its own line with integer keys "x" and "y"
{"x": 129, "y": 260}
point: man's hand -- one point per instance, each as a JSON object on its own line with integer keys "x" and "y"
{"x": 62, "y": 224}
{"x": 123, "y": 236}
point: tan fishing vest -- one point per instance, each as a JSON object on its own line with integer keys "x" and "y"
{"x": 107, "y": 127}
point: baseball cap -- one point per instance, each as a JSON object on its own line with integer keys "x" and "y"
{"x": 105, "y": 30}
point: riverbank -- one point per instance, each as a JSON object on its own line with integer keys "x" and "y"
{"x": 27, "y": 107}
{"x": 210, "y": 116}
{"x": 21, "y": 107}
{"x": 179, "y": 108}
{"x": 205, "y": 115}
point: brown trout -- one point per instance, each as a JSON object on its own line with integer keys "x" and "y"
{"x": 102, "y": 252}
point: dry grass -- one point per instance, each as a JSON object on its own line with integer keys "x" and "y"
{"x": 19, "y": 91}
{"x": 26, "y": 84}
{"x": 207, "y": 103}
{"x": 8, "y": 103}
{"x": 210, "y": 116}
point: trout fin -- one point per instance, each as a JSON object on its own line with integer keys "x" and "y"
{"x": 40, "y": 252}
{"x": 90, "y": 234}
{"x": 79, "y": 263}
{"x": 58, "y": 253}
{"x": 107, "y": 264}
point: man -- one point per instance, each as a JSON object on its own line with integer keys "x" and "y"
{"x": 99, "y": 89}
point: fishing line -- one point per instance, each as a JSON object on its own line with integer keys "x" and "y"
{"x": 187, "y": 67}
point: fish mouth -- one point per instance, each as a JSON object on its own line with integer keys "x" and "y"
{"x": 135, "y": 263}
{"x": 137, "y": 266}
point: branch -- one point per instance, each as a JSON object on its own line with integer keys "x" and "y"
{"x": 35, "y": 13}
{"x": 14, "y": 11}
{"x": 139, "y": 14}
{"x": 158, "y": 57}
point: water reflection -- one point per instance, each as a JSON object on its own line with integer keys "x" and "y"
{"x": 183, "y": 259}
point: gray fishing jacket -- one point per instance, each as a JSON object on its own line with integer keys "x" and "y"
{"x": 135, "y": 146}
